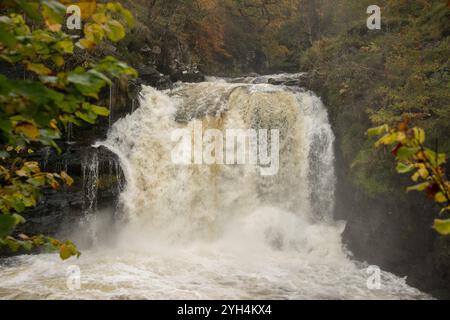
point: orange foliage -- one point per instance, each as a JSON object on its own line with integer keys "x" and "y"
{"x": 209, "y": 30}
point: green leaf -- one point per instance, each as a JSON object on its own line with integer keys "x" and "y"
{"x": 101, "y": 111}
{"x": 377, "y": 131}
{"x": 88, "y": 83}
{"x": 53, "y": 11}
{"x": 27, "y": 245}
{"x": 117, "y": 7}
{"x": 115, "y": 68}
{"x": 13, "y": 244}
{"x": 7, "y": 37}
{"x": 7, "y": 225}
{"x": 404, "y": 168}
{"x": 4, "y": 155}
{"x": 30, "y": 8}
{"x": 405, "y": 153}
{"x": 89, "y": 118}
{"x": 436, "y": 159}
{"x": 5, "y": 124}
{"x": 64, "y": 47}
{"x": 442, "y": 226}
{"x": 115, "y": 31}
{"x": 19, "y": 219}
{"x": 37, "y": 181}
{"x": 419, "y": 187}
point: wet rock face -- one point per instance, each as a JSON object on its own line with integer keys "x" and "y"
{"x": 188, "y": 73}
{"x": 150, "y": 75}
{"x": 98, "y": 177}
{"x": 98, "y": 181}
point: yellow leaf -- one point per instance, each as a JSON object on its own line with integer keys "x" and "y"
{"x": 23, "y": 236}
{"x": 419, "y": 187}
{"x": 54, "y": 124}
{"x": 387, "y": 139}
{"x": 442, "y": 226}
{"x": 33, "y": 166}
{"x": 66, "y": 178}
{"x": 54, "y": 185}
{"x": 55, "y": 27}
{"x": 28, "y": 129}
{"x": 377, "y": 131}
{"x": 58, "y": 60}
{"x": 87, "y": 7}
{"x": 39, "y": 68}
{"x": 440, "y": 198}
{"x": 22, "y": 173}
{"x": 65, "y": 252}
{"x": 423, "y": 172}
{"x": 401, "y": 137}
{"x": 115, "y": 31}
{"x": 100, "y": 18}
{"x": 87, "y": 44}
{"x": 419, "y": 135}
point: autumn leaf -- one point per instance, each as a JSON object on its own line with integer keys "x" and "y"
{"x": 66, "y": 178}
{"x": 442, "y": 226}
{"x": 65, "y": 252}
{"x": 28, "y": 129}
{"x": 39, "y": 68}
{"x": 87, "y": 44}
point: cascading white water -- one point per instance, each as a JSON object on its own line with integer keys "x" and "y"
{"x": 217, "y": 231}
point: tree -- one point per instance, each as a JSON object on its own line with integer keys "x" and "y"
{"x": 34, "y": 111}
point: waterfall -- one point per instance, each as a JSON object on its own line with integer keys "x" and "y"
{"x": 216, "y": 231}
{"x": 115, "y": 172}
{"x": 90, "y": 167}
{"x": 90, "y": 179}
{"x": 183, "y": 203}
{"x": 46, "y": 155}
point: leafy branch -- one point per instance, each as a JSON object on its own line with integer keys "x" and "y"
{"x": 34, "y": 112}
{"x": 426, "y": 166}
